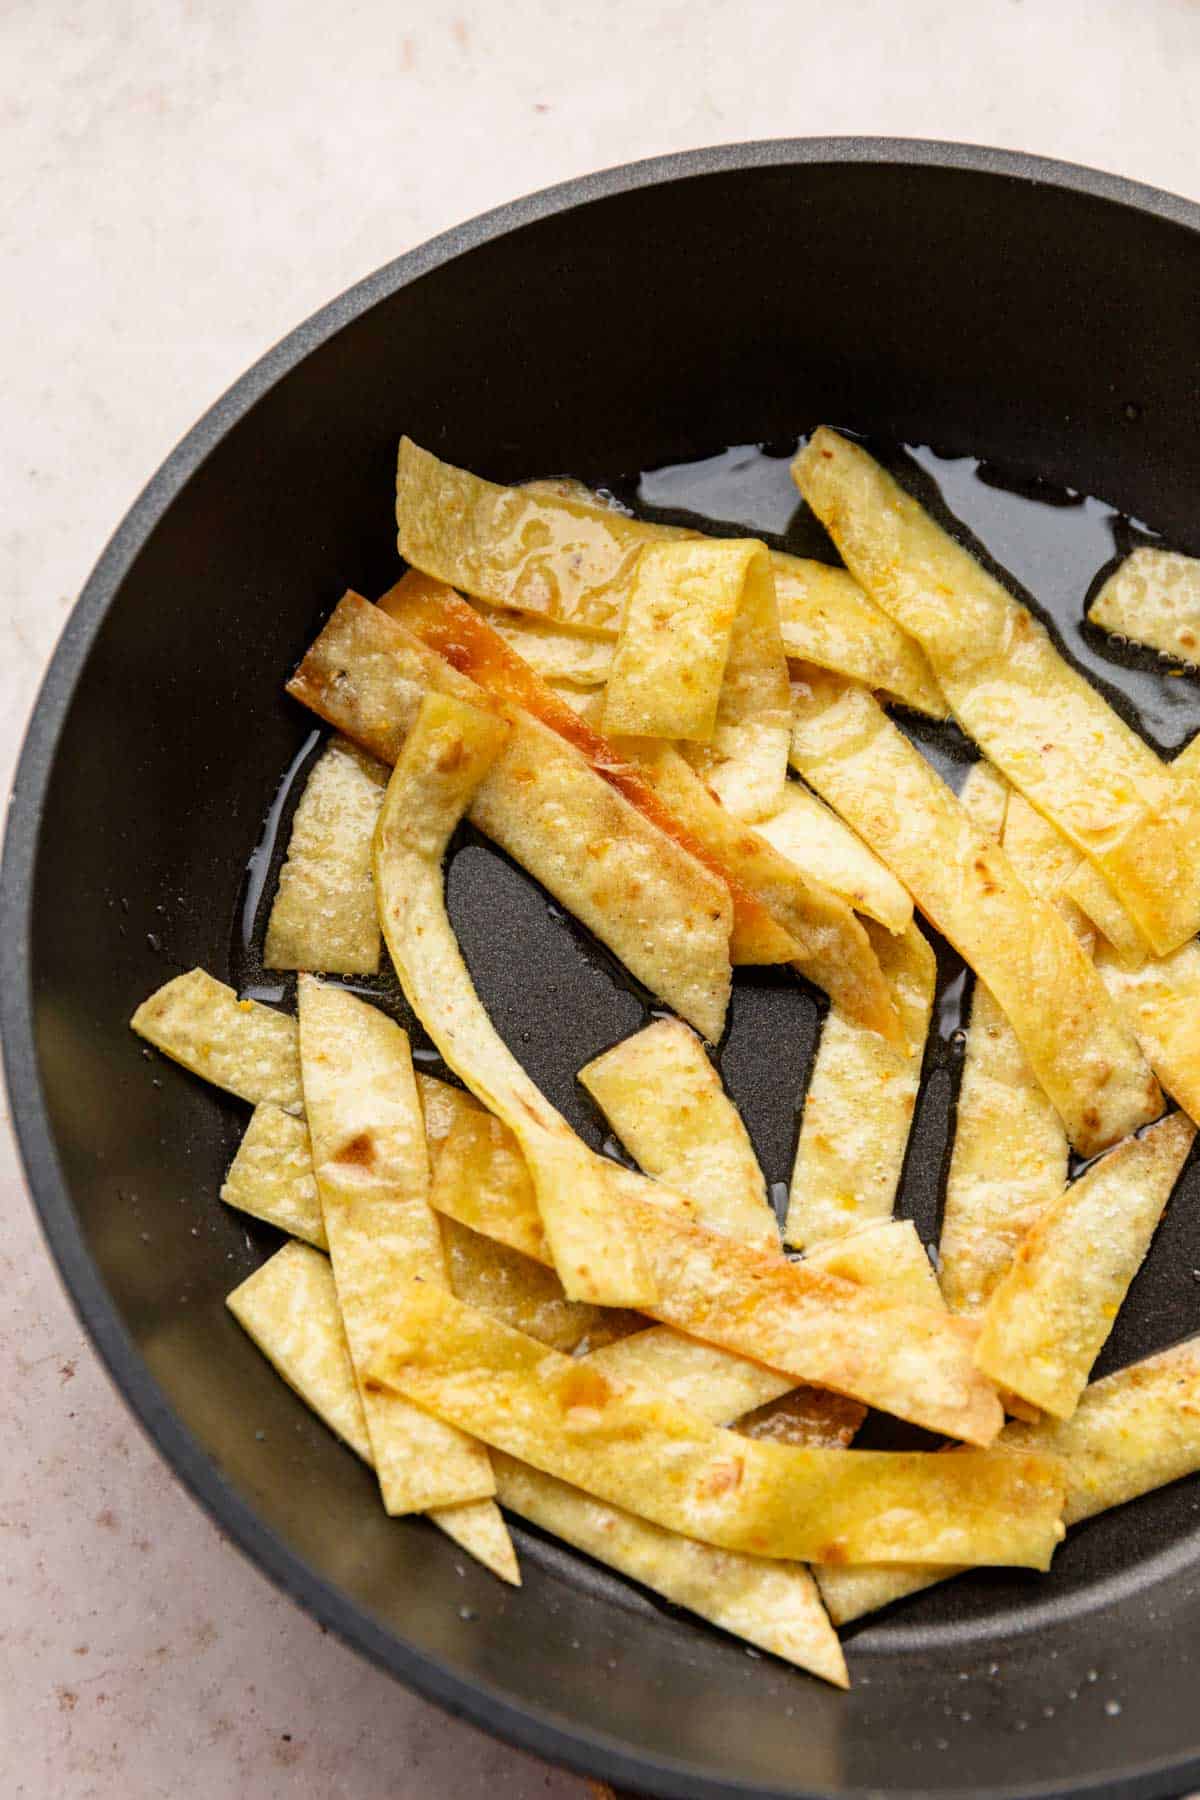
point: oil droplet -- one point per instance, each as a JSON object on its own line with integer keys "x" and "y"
{"x": 1112, "y": 1708}
{"x": 467, "y": 1614}
{"x": 153, "y": 940}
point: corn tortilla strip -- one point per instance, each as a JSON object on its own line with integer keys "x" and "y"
{"x": 1050, "y": 732}
{"x": 482, "y": 1180}
{"x": 1087, "y": 889}
{"x": 1161, "y": 1002}
{"x": 558, "y": 653}
{"x": 808, "y": 834}
{"x": 1154, "y": 599}
{"x": 792, "y": 1317}
{"x": 372, "y": 1170}
{"x": 324, "y": 916}
{"x": 827, "y": 619}
{"x": 1081, "y": 1052}
{"x": 1052, "y": 1311}
{"x": 859, "y": 1107}
{"x": 1132, "y": 1432}
{"x": 829, "y": 945}
{"x": 887, "y": 1256}
{"x": 442, "y": 1105}
{"x": 645, "y": 896}
{"x": 289, "y": 1307}
{"x": 635, "y": 1448}
{"x": 525, "y": 1293}
{"x": 239, "y": 1045}
{"x": 664, "y": 1100}
{"x": 446, "y": 624}
{"x": 673, "y": 644}
{"x": 448, "y": 751}
{"x": 271, "y": 1177}
{"x": 773, "y": 1605}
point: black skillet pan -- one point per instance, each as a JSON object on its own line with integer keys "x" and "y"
{"x": 1042, "y": 318}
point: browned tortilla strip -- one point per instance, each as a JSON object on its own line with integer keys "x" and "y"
{"x": 1080, "y": 1050}
{"x": 657, "y": 908}
{"x": 649, "y": 1454}
{"x": 1037, "y": 718}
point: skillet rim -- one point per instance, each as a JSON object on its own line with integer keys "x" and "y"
{"x": 482, "y": 1704}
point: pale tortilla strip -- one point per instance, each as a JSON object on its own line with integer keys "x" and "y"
{"x": 271, "y": 1177}
{"x": 442, "y": 1105}
{"x": 558, "y": 653}
{"x": 829, "y": 945}
{"x": 859, "y": 1107}
{"x": 447, "y": 753}
{"x": 792, "y": 1317}
{"x": 1082, "y": 1053}
{"x": 666, "y": 917}
{"x": 827, "y": 619}
{"x": 323, "y": 917}
{"x": 289, "y": 1307}
{"x": 746, "y": 762}
{"x": 1161, "y": 1001}
{"x": 1154, "y": 599}
{"x": 676, "y": 625}
{"x": 1132, "y": 1432}
{"x": 526, "y": 1294}
{"x": 1010, "y": 1155}
{"x": 644, "y": 1451}
{"x": 664, "y": 1100}
{"x": 808, "y": 834}
{"x": 773, "y": 1605}
{"x": 372, "y": 1170}
{"x": 239, "y": 1045}
{"x": 446, "y": 624}
{"x": 482, "y": 1180}
{"x": 887, "y": 1256}
{"x": 1052, "y": 1311}
{"x": 1050, "y": 732}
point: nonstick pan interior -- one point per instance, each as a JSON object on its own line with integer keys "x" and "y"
{"x": 1040, "y": 318}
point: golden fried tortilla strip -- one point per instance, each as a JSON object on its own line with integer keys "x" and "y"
{"x": 814, "y": 839}
{"x": 272, "y": 1179}
{"x": 676, "y": 625}
{"x": 645, "y": 1452}
{"x": 1050, "y": 1314}
{"x": 1051, "y": 733}
{"x": 827, "y": 619}
{"x": 859, "y": 1107}
{"x": 240, "y": 1045}
{"x": 1160, "y": 1000}
{"x": 1132, "y": 1432}
{"x": 323, "y": 917}
{"x": 1081, "y": 1052}
{"x": 663, "y": 1098}
{"x": 1153, "y": 598}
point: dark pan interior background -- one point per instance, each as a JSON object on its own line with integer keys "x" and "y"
{"x": 1048, "y": 330}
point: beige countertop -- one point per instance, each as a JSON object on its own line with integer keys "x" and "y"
{"x": 184, "y": 181}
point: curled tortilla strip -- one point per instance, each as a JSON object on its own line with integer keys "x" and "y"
{"x": 859, "y": 1107}
{"x": 1081, "y": 1052}
{"x": 372, "y": 1170}
{"x": 808, "y": 834}
{"x": 557, "y": 653}
{"x": 778, "y": 914}
{"x": 1087, "y": 889}
{"x": 1133, "y": 1432}
{"x": 447, "y": 753}
{"x": 792, "y": 1317}
{"x": 664, "y": 1100}
{"x": 827, "y": 619}
{"x": 1154, "y": 599}
{"x": 1161, "y": 1002}
{"x": 1050, "y": 1314}
{"x": 272, "y": 1179}
{"x": 324, "y": 916}
{"x": 676, "y": 625}
{"x": 1051, "y": 733}
{"x": 239, "y": 1045}
{"x": 829, "y": 945}
{"x": 666, "y": 917}
{"x": 289, "y": 1307}
{"x": 643, "y": 1451}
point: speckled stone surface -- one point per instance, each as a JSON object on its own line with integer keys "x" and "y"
{"x": 183, "y": 183}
